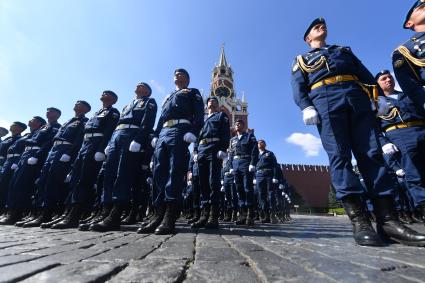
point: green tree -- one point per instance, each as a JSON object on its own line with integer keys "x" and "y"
{"x": 332, "y": 201}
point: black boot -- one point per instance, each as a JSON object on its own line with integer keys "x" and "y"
{"x": 213, "y": 218}
{"x": 363, "y": 232}
{"x": 92, "y": 216}
{"x": 196, "y": 216}
{"x": 102, "y": 214}
{"x": 154, "y": 222}
{"x": 266, "y": 217}
{"x": 72, "y": 220}
{"x": 251, "y": 216}
{"x": 408, "y": 217}
{"x": 391, "y": 228}
{"x": 273, "y": 218}
{"x": 242, "y": 216}
{"x": 112, "y": 222}
{"x": 45, "y": 216}
{"x": 402, "y": 218}
{"x": 131, "y": 217}
{"x": 33, "y": 215}
{"x": 228, "y": 216}
{"x": 55, "y": 220}
{"x": 14, "y": 216}
{"x": 205, "y": 214}
{"x": 168, "y": 224}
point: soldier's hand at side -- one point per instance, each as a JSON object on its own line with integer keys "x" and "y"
{"x": 400, "y": 173}
{"x": 32, "y": 161}
{"x": 14, "y": 166}
{"x": 275, "y": 181}
{"x": 251, "y": 168}
{"x": 389, "y": 148}
{"x": 231, "y": 171}
{"x": 107, "y": 150}
{"x": 195, "y": 158}
{"x": 222, "y": 189}
{"x": 281, "y": 187}
{"x": 310, "y": 116}
{"x": 68, "y": 178}
{"x": 221, "y": 154}
{"x": 254, "y": 182}
{"x": 189, "y": 137}
{"x": 65, "y": 158}
{"x": 135, "y": 146}
{"x": 99, "y": 156}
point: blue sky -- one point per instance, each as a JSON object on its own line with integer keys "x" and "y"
{"x": 53, "y": 53}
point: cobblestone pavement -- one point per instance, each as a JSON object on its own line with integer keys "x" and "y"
{"x": 311, "y": 249}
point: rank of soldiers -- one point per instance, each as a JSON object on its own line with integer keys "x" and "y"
{"x": 118, "y": 169}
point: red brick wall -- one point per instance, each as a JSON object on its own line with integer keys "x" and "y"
{"x": 310, "y": 181}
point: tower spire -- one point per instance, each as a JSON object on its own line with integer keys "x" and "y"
{"x": 222, "y": 61}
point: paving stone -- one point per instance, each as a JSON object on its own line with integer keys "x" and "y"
{"x": 181, "y": 246}
{"x": 151, "y": 270}
{"x": 78, "y": 272}
{"x": 16, "y": 272}
{"x": 11, "y": 259}
{"x": 74, "y": 255}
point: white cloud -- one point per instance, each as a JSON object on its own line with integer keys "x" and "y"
{"x": 159, "y": 88}
{"x": 310, "y": 144}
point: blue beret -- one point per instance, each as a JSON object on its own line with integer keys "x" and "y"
{"x": 417, "y": 4}
{"x": 3, "y": 131}
{"x": 181, "y": 70}
{"x": 147, "y": 86}
{"x": 41, "y": 120}
{"x": 111, "y": 93}
{"x": 381, "y": 73}
{"x": 21, "y": 125}
{"x": 212, "y": 98}
{"x": 85, "y": 103}
{"x": 313, "y": 23}
{"x": 54, "y": 109}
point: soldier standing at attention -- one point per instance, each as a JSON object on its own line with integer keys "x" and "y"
{"x": 209, "y": 151}
{"x": 328, "y": 84}
{"x": 182, "y": 117}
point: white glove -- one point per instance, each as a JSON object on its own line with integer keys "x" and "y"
{"x": 195, "y": 158}
{"x": 254, "y": 182}
{"x": 222, "y": 182}
{"x": 251, "y": 168}
{"x": 281, "y": 187}
{"x": 383, "y": 106}
{"x": 106, "y": 151}
{"x": 68, "y": 178}
{"x": 310, "y": 116}
{"x": 134, "y": 146}
{"x": 189, "y": 183}
{"x": 189, "y": 137}
{"x": 400, "y": 173}
{"x": 389, "y": 148}
{"x": 14, "y": 166}
{"x": 153, "y": 142}
{"x": 231, "y": 171}
{"x": 32, "y": 161}
{"x": 275, "y": 181}
{"x": 65, "y": 158}
{"x": 149, "y": 181}
{"x": 284, "y": 195}
{"x": 99, "y": 156}
{"x": 151, "y": 165}
{"x": 221, "y": 154}
{"x": 222, "y": 189}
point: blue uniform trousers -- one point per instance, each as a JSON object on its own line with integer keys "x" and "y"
{"x": 52, "y": 190}
{"x": 243, "y": 182}
{"x": 230, "y": 191}
{"x": 411, "y": 143}
{"x": 348, "y": 125}
{"x": 6, "y": 174}
{"x": 209, "y": 177}
{"x": 121, "y": 167}
{"x": 266, "y": 190}
{"x": 171, "y": 157}
{"x": 22, "y": 183}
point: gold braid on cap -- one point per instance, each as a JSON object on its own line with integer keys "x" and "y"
{"x": 406, "y": 54}
{"x": 311, "y": 68}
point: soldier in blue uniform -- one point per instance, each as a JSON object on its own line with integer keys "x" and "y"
{"x": 193, "y": 177}
{"x": 50, "y": 185}
{"x": 243, "y": 155}
{"x": 266, "y": 178}
{"x": 209, "y": 151}
{"x": 403, "y": 126}
{"x": 97, "y": 133}
{"x": 15, "y": 129}
{"x": 228, "y": 183}
{"x": 124, "y": 155}
{"x": 331, "y": 87}
{"x": 13, "y": 156}
{"x": 182, "y": 117}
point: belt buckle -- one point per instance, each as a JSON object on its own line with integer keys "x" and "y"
{"x": 338, "y": 78}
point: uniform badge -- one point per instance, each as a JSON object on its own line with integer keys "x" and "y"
{"x": 398, "y": 63}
